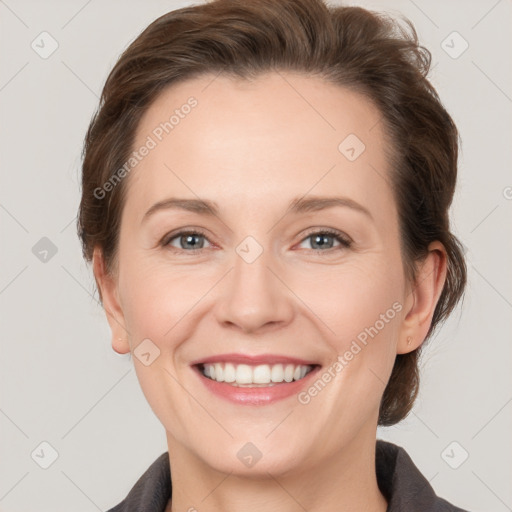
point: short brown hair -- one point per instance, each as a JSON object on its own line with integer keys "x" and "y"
{"x": 349, "y": 46}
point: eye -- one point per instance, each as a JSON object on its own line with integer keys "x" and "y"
{"x": 324, "y": 240}
{"x": 188, "y": 241}
{"x": 321, "y": 241}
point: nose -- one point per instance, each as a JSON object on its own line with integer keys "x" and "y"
{"x": 254, "y": 296}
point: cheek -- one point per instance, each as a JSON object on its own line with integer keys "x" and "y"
{"x": 158, "y": 305}
{"x": 156, "y": 300}
{"x": 351, "y": 298}
{"x": 361, "y": 305}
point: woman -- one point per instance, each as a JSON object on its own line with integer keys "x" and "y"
{"x": 265, "y": 201}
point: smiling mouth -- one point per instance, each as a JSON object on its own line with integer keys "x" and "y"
{"x": 261, "y": 375}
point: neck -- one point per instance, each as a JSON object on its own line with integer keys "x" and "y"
{"x": 346, "y": 481}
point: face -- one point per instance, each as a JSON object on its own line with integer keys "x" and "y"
{"x": 292, "y": 270}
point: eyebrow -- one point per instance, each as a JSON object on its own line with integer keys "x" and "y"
{"x": 296, "y": 206}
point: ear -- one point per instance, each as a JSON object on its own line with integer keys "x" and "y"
{"x": 422, "y": 299}
{"x": 109, "y": 295}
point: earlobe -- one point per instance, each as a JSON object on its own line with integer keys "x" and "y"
{"x": 109, "y": 295}
{"x": 425, "y": 294}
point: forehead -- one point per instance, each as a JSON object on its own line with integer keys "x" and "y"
{"x": 278, "y": 136}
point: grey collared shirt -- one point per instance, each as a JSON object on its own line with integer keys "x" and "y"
{"x": 399, "y": 480}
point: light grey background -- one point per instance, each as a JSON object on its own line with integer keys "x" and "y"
{"x": 60, "y": 380}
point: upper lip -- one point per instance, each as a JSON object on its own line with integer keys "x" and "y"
{"x": 253, "y": 359}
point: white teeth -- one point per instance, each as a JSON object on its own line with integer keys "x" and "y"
{"x": 288, "y": 372}
{"x": 244, "y": 374}
{"x": 229, "y": 372}
{"x": 277, "y": 374}
{"x": 261, "y": 374}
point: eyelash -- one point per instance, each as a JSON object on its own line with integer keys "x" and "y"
{"x": 345, "y": 242}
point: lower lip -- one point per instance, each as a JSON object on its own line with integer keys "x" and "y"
{"x": 257, "y": 395}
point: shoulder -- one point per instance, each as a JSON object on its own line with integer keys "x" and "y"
{"x": 151, "y": 491}
{"x": 402, "y": 483}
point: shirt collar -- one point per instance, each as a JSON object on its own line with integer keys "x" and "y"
{"x": 399, "y": 480}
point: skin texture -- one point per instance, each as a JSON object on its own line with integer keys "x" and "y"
{"x": 253, "y": 147}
